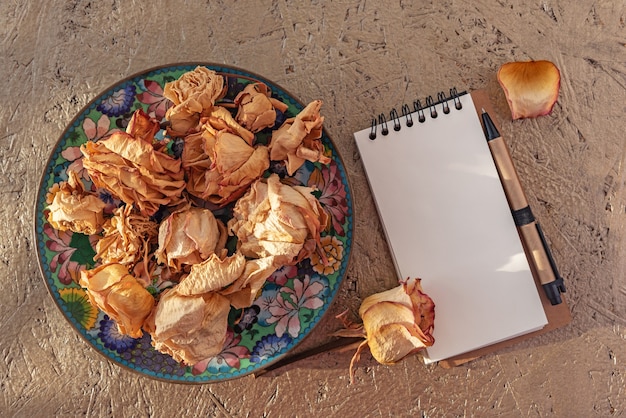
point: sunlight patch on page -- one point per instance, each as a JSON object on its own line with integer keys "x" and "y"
{"x": 517, "y": 262}
{"x": 478, "y": 169}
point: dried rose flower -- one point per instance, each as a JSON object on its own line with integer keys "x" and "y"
{"x": 192, "y": 93}
{"x": 120, "y": 295}
{"x": 189, "y": 236}
{"x": 531, "y": 87}
{"x": 127, "y": 238}
{"x": 299, "y": 139}
{"x": 74, "y": 209}
{"x": 396, "y": 323}
{"x": 257, "y": 107}
{"x": 132, "y": 169}
{"x": 190, "y": 320}
{"x": 190, "y": 328}
{"x": 219, "y": 163}
{"x": 274, "y": 219}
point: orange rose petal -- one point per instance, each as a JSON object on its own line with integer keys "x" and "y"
{"x": 531, "y": 87}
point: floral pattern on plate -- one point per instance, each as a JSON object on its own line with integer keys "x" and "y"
{"x": 293, "y": 299}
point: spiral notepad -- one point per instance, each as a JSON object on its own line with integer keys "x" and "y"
{"x": 447, "y": 221}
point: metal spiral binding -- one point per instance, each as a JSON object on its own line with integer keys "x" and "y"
{"x": 406, "y": 113}
{"x": 419, "y": 110}
{"x": 395, "y": 118}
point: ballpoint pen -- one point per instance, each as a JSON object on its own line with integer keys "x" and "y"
{"x": 529, "y": 229}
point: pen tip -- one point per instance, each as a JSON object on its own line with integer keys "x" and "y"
{"x": 483, "y": 109}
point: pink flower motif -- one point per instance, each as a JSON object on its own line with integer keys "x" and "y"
{"x": 153, "y": 96}
{"x": 93, "y": 131}
{"x": 74, "y": 155}
{"x": 283, "y": 275}
{"x": 96, "y": 130}
{"x": 229, "y": 357}
{"x": 333, "y": 197}
{"x": 286, "y": 307}
{"x": 60, "y": 243}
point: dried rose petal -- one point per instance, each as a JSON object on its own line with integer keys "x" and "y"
{"x": 74, "y": 209}
{"x": 213, "y": 274}
{"x": 120, "y": 295}
{"x": 531, "y": 87}
{"x": 244, "y": 291}
{"x": 257, "y": 108}
{"x": 299, "y": 139}
{"x": 142, "y": 126}
{"x": 189, "y": 236}
{"x": 219, "y": 119}
{"x": 192, "y": 93}
{"x": 274, "y": 219}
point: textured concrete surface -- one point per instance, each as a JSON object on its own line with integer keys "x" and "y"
{"x": 361, "y": 58}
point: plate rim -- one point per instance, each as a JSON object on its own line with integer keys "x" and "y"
{"x": 237, "y": 71}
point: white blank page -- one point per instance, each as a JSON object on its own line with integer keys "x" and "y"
{"x": 448, "y": 222}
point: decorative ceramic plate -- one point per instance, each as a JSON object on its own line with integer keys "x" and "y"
{"x": 293, "y": 299}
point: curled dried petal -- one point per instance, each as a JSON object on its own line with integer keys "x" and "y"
{"x": 243, "y": 291}
{"x": 257, "y": 108}
{"x": 74, "y": 209}
{"x": 142, "y": 126}
{"x": 531, "y": 87}
{"x": 219, "y": 119}
{"x": 120, "y": 295}
{"x": 299, "y": 139}
{"x": 213, "y": 274}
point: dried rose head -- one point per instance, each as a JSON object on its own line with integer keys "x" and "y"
{"x": 192, "y": 93}
{"x": 531, "y": 87}
{"x": 75, "y": 209}
{"x": 396, "y": 323}
{"x": 275, "y": 219}
{"x": 132, "y": 169}
{"x": 257, "y": 108}
{"x": 299, "y": 139}
{"x": 126, "y": 238}
{"x": 189, "y": 236}
{"x": 120, "y": 295}
{"x": 220, "y": 161}
{"x": 190, "y": 328}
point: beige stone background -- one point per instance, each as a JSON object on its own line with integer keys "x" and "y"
{"x": 360, "y": 57}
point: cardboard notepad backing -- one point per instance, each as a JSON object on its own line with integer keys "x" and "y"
{"x": 447, "y": 221}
